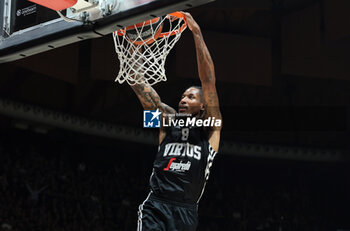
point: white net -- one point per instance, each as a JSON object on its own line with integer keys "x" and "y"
{"x": 142, "y": 60}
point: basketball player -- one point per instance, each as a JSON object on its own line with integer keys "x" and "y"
{"x": 185, "y": 154}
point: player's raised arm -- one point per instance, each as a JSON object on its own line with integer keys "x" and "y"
{"x": 150, "y": 100}
{"x": 206, "y": 73}
{"x": 148, "y": 97}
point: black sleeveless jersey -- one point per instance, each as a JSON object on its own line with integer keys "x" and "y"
{"x": 181, "y": 167}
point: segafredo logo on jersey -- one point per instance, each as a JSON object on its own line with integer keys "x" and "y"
{"x": 151, "y": 118}
{"x": 184, "y": 120}
{"x": 178, "y": 166}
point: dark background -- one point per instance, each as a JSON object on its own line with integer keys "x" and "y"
{"x": 283, "y": 72}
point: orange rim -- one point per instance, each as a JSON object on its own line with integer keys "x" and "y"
{"x": 121, "y": 32}
{"x": 182, "y": 28}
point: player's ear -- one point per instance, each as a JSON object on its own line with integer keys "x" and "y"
{"x": 202, "y": 109}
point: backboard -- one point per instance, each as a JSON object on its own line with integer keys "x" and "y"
{"x": 28, "y": 28}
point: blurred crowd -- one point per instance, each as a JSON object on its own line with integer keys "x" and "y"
{"x": 59, "y": 183}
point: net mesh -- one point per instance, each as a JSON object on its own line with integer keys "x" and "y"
{"x": 144, "y": 63}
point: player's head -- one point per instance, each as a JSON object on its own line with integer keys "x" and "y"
{"x": 192, "y": 102}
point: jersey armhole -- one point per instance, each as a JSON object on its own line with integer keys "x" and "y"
{"x": 211, "y": 150}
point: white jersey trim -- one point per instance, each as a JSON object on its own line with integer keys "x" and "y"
{"x": 210, "y": 159}
{"x": 139, "y": 220}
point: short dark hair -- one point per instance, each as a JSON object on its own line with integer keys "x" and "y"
{"x": 200, "y": 95}
{"x": 200, "y": 91}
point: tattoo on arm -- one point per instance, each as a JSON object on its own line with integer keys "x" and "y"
{"x": 204, "y": 60}
{"x": 147, "y": 96}
{"x": 212, "y": 103}
{"x": 150, "y": 99}
{"x": 206, "y": 72}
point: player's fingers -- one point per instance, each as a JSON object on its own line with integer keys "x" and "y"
{"x": 189, "y": 19}
{"x": 187, "y": 15}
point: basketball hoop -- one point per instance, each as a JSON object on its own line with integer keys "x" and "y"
{"x": 142, "y": 48}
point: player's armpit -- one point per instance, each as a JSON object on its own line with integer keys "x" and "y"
{"x": 214, "y": 140}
